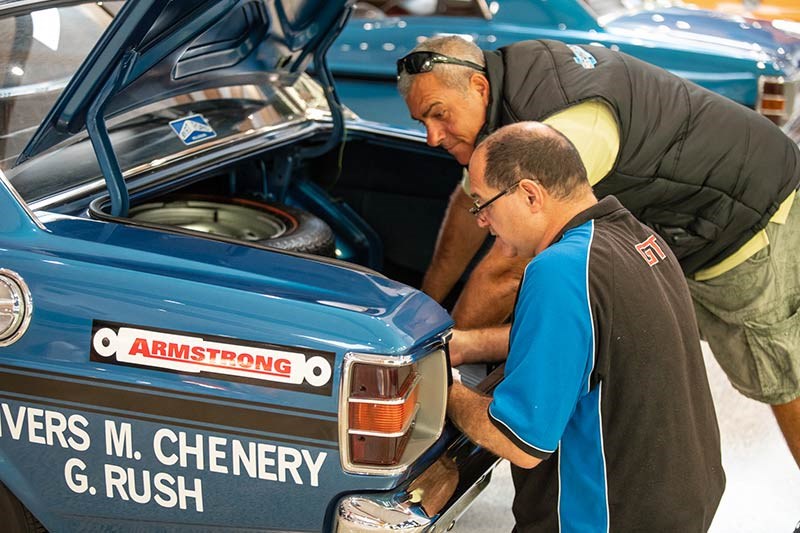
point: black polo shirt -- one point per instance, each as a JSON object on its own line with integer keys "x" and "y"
{"x": 606, "y": 381}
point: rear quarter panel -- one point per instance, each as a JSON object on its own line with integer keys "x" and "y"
{"x": 89, "y": 445}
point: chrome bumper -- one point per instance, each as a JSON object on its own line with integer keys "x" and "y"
{"x": 431, "y": 503}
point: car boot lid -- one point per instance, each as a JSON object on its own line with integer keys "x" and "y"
{"x": 157, "y": 49}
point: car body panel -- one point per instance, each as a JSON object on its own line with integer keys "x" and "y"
{"x": 80, "y": 272}
{"x": 123, "y": 274}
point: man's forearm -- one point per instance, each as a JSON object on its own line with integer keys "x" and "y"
{"x": 469, "y": 411}
{"x": 485, "y": 345}
{"x": 488, "y": 297}
{"x": 459, "y": 239}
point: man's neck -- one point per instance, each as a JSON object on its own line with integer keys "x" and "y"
{"x": 494, "y": 71}
{"x": 564, "y": 212}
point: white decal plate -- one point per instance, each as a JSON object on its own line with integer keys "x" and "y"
{"x": 308, "y": 370}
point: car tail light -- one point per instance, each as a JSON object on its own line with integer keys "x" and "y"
{"x": 391, "y": 410}
{"x": 776, "y": 98}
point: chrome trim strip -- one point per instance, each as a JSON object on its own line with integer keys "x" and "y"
{"x": 447, "y": 520}
{"x": 34, "y": 88}
{"x": 394, "y": 401}
{"x": 401, "y": 511}
{"x": 22, "y": 4}
{"x": 384, "y": 129}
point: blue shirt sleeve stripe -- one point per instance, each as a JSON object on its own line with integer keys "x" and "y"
{"x": 551, "y": 351}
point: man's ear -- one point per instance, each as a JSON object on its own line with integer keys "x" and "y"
{"x": 533, "y": 193}
{"x": 480, "y": 83}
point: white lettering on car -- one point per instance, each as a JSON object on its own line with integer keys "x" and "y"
{"x": 44, "y": 427}
{"x": 252, "y": 459}
{"x": 118, "y": 441}
{"x": 189, "y": 451}
{"x": 77, "y": 482}
{"x": 123, "y": 482}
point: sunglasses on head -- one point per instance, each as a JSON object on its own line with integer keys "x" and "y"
{"x": 419, "y": 62}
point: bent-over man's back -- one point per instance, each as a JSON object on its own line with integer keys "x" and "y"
{"x": 641, "y": 450}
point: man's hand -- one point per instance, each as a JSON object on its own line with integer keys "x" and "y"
{"x": 469, "y": 411}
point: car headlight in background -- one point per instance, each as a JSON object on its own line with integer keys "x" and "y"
{"x": 391, "y": 409}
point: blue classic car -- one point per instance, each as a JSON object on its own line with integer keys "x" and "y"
{"x": 751, "y": 62}
{"x": 193, "y": 333}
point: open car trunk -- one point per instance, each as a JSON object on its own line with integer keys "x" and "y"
{"x": 377, "y": 202}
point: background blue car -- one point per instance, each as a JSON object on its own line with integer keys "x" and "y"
{"x": 752, "y": 63}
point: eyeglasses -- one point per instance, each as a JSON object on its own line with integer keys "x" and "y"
{"x": 477, "y": 207}
{"x": 419, "y": 62}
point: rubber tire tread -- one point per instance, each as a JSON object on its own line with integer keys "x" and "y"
{"x": 311, "y": 236}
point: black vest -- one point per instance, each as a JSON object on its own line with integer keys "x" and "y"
{"x": 702, "y": 170}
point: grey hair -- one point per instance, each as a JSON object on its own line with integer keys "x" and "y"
{"x": 531, "y": 150}
{"x": 453, "y": 76}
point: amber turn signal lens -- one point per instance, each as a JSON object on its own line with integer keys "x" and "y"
{"x": 390, "y": 418}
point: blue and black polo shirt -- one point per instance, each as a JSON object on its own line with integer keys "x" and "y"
{"x": 605, "y": 381}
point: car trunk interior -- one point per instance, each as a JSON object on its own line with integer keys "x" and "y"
{"x": 399, "y": 190}
{"x": 375, "y": 193}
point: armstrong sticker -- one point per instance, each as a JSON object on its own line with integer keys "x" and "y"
{"x": 236, "y": 360}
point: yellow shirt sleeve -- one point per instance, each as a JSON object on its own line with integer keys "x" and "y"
{"x": 592, "y": 128}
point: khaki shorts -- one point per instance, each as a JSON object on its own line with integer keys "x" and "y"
{"x": 750, "y": 317}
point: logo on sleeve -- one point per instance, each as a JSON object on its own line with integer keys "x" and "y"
{"x": 651, "y": 251}
{"x": 582, "y": 57}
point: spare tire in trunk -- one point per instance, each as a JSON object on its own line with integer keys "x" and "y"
{"x": 271, "y": 224}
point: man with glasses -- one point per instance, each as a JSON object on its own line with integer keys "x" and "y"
{"x": 604, "y": 410}
{"x": 714, "y": 179}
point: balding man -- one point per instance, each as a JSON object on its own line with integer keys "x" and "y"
{"x": 605, "y": 410}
